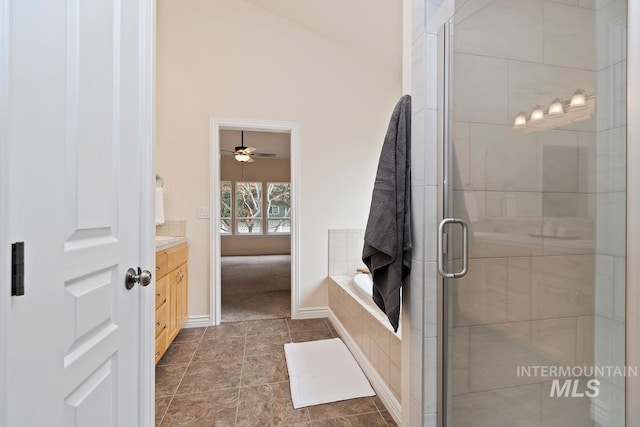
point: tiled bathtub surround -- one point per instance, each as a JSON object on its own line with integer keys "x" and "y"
{"x": 345, "y": 251}
{"x": 370, "y": 330}
{"x": 365, "y": 323}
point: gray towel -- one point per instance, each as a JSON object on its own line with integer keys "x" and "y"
{"x": 387, "y": 239}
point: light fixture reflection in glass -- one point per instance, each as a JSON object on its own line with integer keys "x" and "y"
{"x": 521, "y": 121}
{"x": 556, "y": 108}
{"x": 578, "y": 100}
{"x": 243, "y": 157}
{"x": 537, "y": 115}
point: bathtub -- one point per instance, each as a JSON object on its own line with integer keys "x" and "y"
{"x": 362, "y": 324}
{"x": 364, "y": 282}
{"x": 360, "y": 288}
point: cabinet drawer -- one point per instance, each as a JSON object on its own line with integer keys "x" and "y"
{"x": 161, "y": 290}
{"x": 161, "y": 345}
{"x": 161, "y": 264}
{"x": 176, "y": 256}
{"x": 162, "y": 316}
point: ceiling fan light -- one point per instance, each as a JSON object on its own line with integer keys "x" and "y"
{"x": 242, "y": 157}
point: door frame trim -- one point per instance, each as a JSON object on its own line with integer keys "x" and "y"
{"x": 632, "y": 410}
{"x": 5, "y": 272}
{"x": 225, "y": 123}
{"x": 146, "y": 111}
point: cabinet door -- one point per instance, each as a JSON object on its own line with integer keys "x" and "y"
{"x": 184, "y": 298}
{"x": 172, "y": 299}
{"x": 161, "y": 264}
{"x": 176, "y": 256}
{"x": 161, "y": 345}
{"x": 162, "y": 286}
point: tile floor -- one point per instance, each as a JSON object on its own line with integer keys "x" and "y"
{"x": 235, "y": 374}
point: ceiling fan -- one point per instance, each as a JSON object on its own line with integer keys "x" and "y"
{"x": 245, "y": 154}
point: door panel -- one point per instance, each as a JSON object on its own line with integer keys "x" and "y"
{"x": 76, "y": 183}
{"x": 538, "y": 175}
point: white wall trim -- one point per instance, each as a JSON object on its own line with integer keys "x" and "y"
{"x": 5, "y": 273}
{"x": 633, "y": 211}
{"x": 377, "y": 382}
{"x": 312, "y": 313}
{"x": 218, "y": 123}
{"x": 198, "y": 321}
{"x": 146, "y": 111}
{"x": 256, "y": 252}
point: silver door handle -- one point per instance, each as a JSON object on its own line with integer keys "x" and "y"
{"x": 132, "y": 277}
{"x": 465, "y": 248}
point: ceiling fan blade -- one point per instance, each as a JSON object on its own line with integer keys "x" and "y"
{"x": 250, "y": 160}
{"x": 227, "y": 151}
{"x": 264, "y": 154}
{"x": 250, "y": 150}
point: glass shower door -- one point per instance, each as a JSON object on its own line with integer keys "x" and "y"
{"x": 535, "y": 167}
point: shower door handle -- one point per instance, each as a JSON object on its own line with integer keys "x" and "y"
{"x": 465, "y": 248}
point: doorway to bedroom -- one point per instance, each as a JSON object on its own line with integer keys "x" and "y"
{"x": 255, "y": 225}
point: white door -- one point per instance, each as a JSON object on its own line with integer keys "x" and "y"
{"x": 78, "y": 145}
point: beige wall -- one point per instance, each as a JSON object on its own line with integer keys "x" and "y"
{"x": 262, "y": 170}
{"x": 231, "y": 58}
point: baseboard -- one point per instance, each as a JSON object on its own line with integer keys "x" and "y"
{"x": 378, "y": 384}
{"x": 197, "y": 321}
{"x": 256, "y": 252}
{"x": 311, "y": 313}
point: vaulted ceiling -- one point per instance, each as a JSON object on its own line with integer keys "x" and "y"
{"x": 371, "y": 28}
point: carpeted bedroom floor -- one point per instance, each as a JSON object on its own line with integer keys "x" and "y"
{"x": 256, "y": 287}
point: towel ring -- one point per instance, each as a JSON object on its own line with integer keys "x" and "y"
{"x": 159, "y": 178}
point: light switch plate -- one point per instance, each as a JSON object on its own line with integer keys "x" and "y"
{"x": 203, "y": 212}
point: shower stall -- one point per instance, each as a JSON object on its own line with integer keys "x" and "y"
{"x": 532, "y": 242}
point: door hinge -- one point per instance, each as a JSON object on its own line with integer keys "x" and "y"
{"x": 17, "y": 268}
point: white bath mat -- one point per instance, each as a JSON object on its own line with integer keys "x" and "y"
{"x": 324, "y": 371}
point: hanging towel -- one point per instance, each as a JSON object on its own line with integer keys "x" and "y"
{"x": 387, "y": 239}
{"x": 159, "y": 206}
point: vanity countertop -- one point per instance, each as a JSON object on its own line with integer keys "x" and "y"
{"x": 166, "y": 242}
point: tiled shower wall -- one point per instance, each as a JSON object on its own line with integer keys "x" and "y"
{"x": 420, "y": 296}
{"x": 610, "y": 193}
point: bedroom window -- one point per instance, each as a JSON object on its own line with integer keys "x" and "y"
{"x": 226, "y": 225}
{"x": 279, "y": 208}
{"x": 248, "y": 208}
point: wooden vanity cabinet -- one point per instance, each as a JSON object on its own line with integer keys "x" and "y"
{"x": 171, "y": 295}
